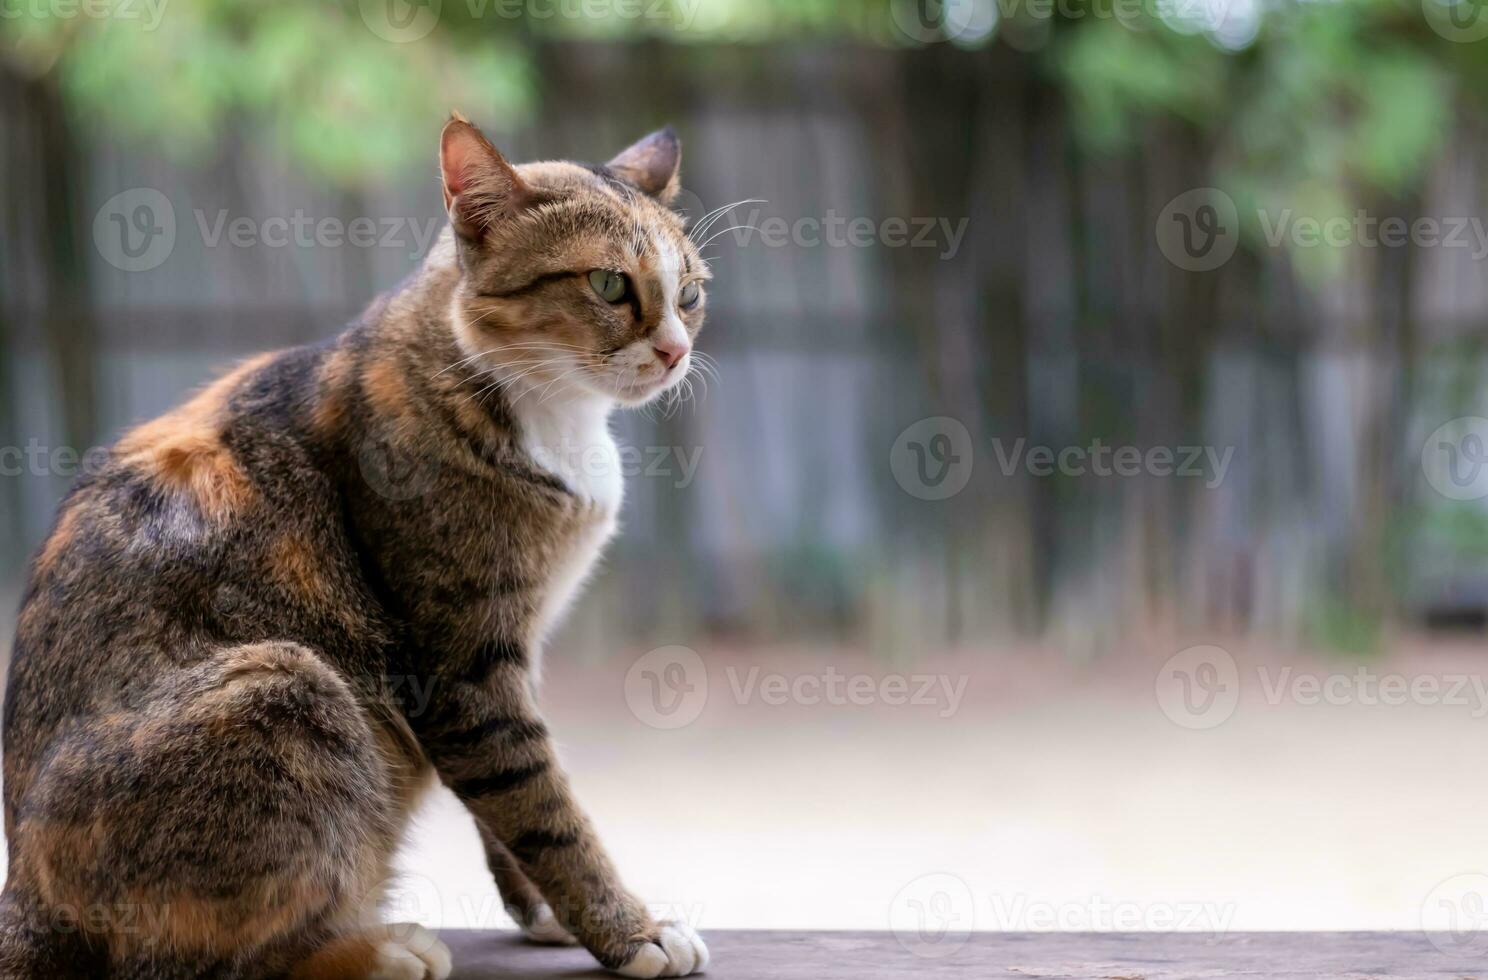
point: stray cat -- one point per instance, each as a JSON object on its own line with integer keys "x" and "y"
{"x": 208, "y": 763}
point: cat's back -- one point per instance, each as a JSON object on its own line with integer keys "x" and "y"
{"x": 214, "y": 523}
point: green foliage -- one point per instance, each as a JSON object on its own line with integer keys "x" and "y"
{"x": 1316, "y": 102}
{"x": 1330, "y": 106}
{"x": 311, "y": 75}
{"x": 1340, "y": 626}
{"x": 1118, "y": 77}
{"x": 1459, "y": 531}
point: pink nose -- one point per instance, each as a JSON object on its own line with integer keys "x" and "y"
{"x": 671, "y": 352}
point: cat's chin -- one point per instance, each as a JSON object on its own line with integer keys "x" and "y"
{"x": 635, "y": 396}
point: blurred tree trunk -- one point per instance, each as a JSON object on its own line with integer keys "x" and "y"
{"x": 70, "y": 335}
{"x": 12, "y": 534}
{"x": 1390, "y": 338}
{"x": 1008, "y": 100}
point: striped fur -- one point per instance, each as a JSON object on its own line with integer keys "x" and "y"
{"x": 283, "y": 610}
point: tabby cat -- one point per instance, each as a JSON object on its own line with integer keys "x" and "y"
{"x": 209, "y": 757}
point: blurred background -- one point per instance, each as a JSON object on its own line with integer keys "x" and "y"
{"x": 1117, "y": 364}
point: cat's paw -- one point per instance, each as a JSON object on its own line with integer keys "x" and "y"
{"x": 541, "y": 926}
{"x": 675, "y": 952}
{"x": 410, "y": 952}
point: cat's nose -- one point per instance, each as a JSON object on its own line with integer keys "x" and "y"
{"x": 671, "y": 351}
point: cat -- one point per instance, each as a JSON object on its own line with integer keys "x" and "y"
{"x": 209, "y": 757}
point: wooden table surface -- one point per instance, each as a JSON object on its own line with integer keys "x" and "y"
{"x": 741, "y": 955}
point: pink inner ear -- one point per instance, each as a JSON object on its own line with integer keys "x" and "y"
{"x": 463, "y": 155}
{"x": 479, "y": 185}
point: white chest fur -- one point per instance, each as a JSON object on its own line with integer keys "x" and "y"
{"x": 570, "y": 438}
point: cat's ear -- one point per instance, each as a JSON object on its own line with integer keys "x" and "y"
{"x": 653, "y": 164}
{"x": 480, "y": 187}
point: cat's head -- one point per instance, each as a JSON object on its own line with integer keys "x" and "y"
{"x": 572, "y": 275}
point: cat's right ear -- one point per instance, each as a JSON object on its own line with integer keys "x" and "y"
{"x": 480, "y": 187}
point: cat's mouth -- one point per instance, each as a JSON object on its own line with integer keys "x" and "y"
{"x": 641, "y": 391}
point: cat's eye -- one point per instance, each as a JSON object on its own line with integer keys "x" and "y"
{"x": 610, "y": 286}
{"x": 689, "y": 296}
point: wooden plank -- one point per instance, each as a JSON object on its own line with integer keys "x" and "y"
{"x": 742, "y": 955}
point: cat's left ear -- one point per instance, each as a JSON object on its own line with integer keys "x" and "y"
{"x": 480, "y": 187}
{"x": 653, "y": 164}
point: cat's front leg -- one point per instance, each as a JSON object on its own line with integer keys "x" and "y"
{"x": 520, "y": 897}
{"x": 495, "y": 753}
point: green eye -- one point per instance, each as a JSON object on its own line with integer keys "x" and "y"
{"x": 609, "y": 285}
{"x": 689, "y": 296}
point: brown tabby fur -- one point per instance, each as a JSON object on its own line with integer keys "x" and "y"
{"x": 210, "y": 751}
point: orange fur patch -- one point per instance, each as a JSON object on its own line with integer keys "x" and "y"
{"x": 347, "y": 958}
{"x": 183, "y": 451}
{"x": 386, "y": 388}
{"x": 60, "y": 539}
{"x": 195, "y": 924}
{"x": 333, "y": 407}
{"x": 294, "y": 567}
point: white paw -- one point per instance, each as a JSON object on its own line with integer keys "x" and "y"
{"x": 542, "y": 927}
{"x": 677, "y": 952}
{"x": 411, "y": 952}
